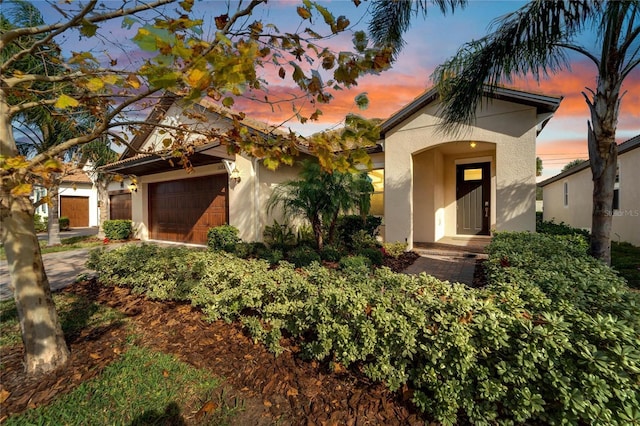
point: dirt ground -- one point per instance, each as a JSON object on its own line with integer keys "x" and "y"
{"x": 281, "y": 390}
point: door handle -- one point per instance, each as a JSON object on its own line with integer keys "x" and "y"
{"x": 486, "y": 212}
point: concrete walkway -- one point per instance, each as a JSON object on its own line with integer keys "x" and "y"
{"x": 453, "y": 261}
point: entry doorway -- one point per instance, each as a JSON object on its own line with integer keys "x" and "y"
{"x": 473, "y": 198}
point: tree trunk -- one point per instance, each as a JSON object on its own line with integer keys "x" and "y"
{"x": 316, "y": 225}
{"x": 42, "y": 336}
{"x": 53, "y": 224}
{"x": 104, "y": 203}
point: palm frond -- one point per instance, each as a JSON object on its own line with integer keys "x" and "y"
{"x": 391, "y": 19}
{"x": 526, "y": 42}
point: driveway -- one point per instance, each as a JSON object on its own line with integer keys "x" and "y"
{"x": 62, "y": 269}
{"x": 73, "y": 232}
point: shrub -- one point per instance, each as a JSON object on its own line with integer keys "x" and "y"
{"x": 552, "y": 228}
{"x": 350, "y": 225}
{"x": 552, "y": 338}
{"x": 40, "y": 223}
{"x": 303, "y": 256}
{"x": 359, "y": 264}
{"x": 119, "y": 229}
{"x": 224, "y": 237}
{"x": 63, "y": 222}
{"x": 373, "y": 254}
{"x": 279, "y": 235}
{"x": 395, "y": 250}
{"x": 331, "y": 254}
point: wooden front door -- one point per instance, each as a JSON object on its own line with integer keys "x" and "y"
{"x": 184, "y": 210}
{"x": 473, "y": 188}
{"x": 120, "y": 206}
{"x": 76, "y": 209}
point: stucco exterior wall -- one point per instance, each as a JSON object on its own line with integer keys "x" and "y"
{"x": 509, "y": 127}
{"x": 626, "y": 220}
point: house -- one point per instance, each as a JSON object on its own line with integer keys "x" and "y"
{"x": 568, "y": 196}
{"x": 483, "y": 178}
{"x": 77, "y": 200}
{"x": 169, "y": 204}
{"x": 428, "y": 185}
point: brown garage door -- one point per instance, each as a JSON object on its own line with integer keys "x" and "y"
{"x": 76, "y": 209}
{"x": 184, "y": 210}
{"x": 120, "y": 206}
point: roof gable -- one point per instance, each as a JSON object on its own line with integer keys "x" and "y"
{"x": 544, "y": 104}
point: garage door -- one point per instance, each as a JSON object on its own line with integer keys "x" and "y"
{"x": 120, "y": 206}
{"x": 76, "y": 209}
{"x": 184, "y": 210}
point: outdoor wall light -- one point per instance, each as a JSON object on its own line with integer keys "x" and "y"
{"x": 235, "y": 175}
{"x": 133, "y": 187}
{"x": 472, "y": 144}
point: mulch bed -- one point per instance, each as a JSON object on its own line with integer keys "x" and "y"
{"x": 283, "y": 390}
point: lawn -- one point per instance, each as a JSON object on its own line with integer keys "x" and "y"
{"x": 138, "y": 385}
{"x": 71, "y": 243}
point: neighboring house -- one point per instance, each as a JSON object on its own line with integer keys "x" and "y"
{"x": 568, "y": 196}
{"x": 77, "y": 198}
{"x": 428, "y": 185}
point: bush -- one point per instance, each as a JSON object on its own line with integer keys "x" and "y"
{"x": 63, "y": 222}
{"x": 40, "y": 223}
{"x": 351, "y": 225}
{"x": 552, "y": 228}
{"x": 279, "y": 236}
{"x": 552, "y": 338}
{"x": 303, "y": 256}
{"x": 224, "y": 237}
{"x": 331, "y": 254}
{"x": 119, "y": 229}
{"x": 373, "y": 254}
{"x": 394, "y": 250}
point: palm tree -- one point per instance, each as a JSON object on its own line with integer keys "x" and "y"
{"x": 40, "y": 127}
{"x": 320, "y": 196}
{"x": 535, "y": 40}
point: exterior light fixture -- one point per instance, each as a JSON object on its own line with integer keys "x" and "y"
{"x": 235, "y": 175}
{"x": 472, "y": 144}
{"x": 133, "y": 187}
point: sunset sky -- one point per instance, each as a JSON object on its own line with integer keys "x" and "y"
{"x": 431, "y": 41}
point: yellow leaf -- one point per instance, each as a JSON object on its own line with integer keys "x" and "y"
{"x": 17, "y": 162}
{"x": 21, "y": 189}
{"x": 65, "y": 101}
{"x": 194, "y": 77}
{"x": 52, "y": 165}
{"x": 110, "y": 79}
{"x": 95, "y": 84}
{"x": 4, "y": 394}
{"x": 133, "y": 81}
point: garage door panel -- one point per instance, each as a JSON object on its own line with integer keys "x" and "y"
{"x": 76, "y": 209}
{"x": 185, "y": 210}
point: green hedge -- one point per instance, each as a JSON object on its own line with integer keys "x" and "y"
{"x": 223, "y": 237}
{"x": 553, "y": 338}
{"x": 63, "y": 222}
{"x": 119, "y": 229}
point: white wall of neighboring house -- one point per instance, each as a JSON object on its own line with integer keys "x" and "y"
{"x": 578, "y": 210}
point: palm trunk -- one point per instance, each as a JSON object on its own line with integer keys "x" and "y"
{"x": 103, "y": 202}
{"x": 316, "y": 225}
{"x": 44, "y": 345}
{"x": 54, "y": 224}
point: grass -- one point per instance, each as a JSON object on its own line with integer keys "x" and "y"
{"x": 625, "y": 258}
{"x": 72, "y": 243}
{"x": 141, "y": 387}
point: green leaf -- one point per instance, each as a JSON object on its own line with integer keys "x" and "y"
{"x": 362, "y": 100}
{"x": 228, "y": 102}
{"x": 271, "y": 163}
{"x": 128, "y": 22}
{"x": 328, "y": 17}
{"x": 88, "y": 29}
{"x": 360, "y": 41}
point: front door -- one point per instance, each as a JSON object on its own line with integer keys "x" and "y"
{"x": 473, "y": 198}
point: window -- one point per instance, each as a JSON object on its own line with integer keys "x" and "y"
{"x": 566, "y": 194}
{"x": 377, "y": 198}
{"x": 616, "y": 190}
{"x": 472, "y": 174}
